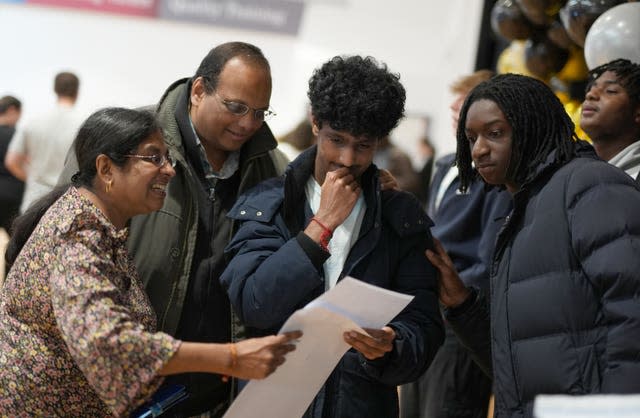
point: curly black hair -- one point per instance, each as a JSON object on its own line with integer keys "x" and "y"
{"x": 357, "y": 95}
{"x": 538, "y": 121}
{"x": 628, "y": 74}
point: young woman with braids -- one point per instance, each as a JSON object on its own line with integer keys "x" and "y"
{"x": 77, "y": 332}
{"x": 564, "y": 316}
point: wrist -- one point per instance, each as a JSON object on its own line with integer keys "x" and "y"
{"x": 325, "y": 235}
{"x": 464, "y": 304}
{"x": 232, "y": 361}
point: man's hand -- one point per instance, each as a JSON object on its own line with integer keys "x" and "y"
{"x": 339, "y": 194}
{"x": 372, "y": 346}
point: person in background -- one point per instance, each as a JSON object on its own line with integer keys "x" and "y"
{"x": 563, "y": 316}
{"x": 11, "y": 188}
{"x": 611, "y": 114}
{"x": 390, "y": 157}
{"x": 77, "y": 332}
{"x": 465, "y": 224}
{"x": 326, "y": 218}
{"x": 37, "y": 152}
{"x": 297, "y": 140}
{"x": 427, "y": 153}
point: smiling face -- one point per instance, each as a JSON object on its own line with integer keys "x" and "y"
{"x": 607, "y": 111}
{"x": 221, "y": 131}
{"x": 139, "y": 186}
{"x": 338, "y": 149}
{"x": 490, "y": 139}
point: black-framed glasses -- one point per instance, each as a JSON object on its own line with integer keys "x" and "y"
{"x": 241, "y": 109}
{"x": 158, "y": 160}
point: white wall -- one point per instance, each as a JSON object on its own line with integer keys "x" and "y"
{"x": 129, "y": 61}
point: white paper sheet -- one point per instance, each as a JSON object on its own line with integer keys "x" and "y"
{"x": 350, "y": 305}
{"x": 587, "y": 406}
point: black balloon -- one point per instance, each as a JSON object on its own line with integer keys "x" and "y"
{"x": 543, "y": 58}
{"x": 578, "y": 15}
{"x": 508, "y": 21}
{"x": 558, "y": 35}
{"x": 540, "y": 12}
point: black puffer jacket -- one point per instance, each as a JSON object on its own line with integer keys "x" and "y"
{"x": 565, "y": 289}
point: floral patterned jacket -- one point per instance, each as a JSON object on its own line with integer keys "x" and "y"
{"x": 76, "y": 328}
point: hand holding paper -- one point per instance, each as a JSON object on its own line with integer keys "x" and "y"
{"x": 349, "y": 306}
{"x": 375, "y": 344}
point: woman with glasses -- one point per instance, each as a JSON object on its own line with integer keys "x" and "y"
{"x": 77, "y": 332}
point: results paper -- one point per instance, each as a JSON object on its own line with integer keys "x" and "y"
{"x": 350, "y": 305}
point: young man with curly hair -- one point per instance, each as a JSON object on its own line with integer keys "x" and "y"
{"x": 326, "y": 218}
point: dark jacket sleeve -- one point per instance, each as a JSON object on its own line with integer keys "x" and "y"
{"x": 419, "y": 329}
{"x": 604, "y": 220}
{"x": 268, "y": 265}
{"x": 472, "y": 325}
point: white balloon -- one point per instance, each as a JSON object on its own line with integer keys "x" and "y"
{"x": 615, "y": 34}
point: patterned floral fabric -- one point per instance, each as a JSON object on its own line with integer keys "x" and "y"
{"x": 76, "y": 328}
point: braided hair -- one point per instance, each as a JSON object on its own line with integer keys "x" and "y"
{"x": 538, "y": 121}
{"x": 628, "y": 74}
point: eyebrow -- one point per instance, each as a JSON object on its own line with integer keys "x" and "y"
{"x": 153, "y": 148}
{"x": 243, "y": 103}
{"x": 490, "y": 123}
{"x": 606, "y": 82}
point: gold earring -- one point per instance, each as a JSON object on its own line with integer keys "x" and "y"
{"x": 107, "y": 188}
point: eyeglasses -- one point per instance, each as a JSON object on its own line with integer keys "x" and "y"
{"x": 157, "y": 159}
{"x": 241, "y": 109}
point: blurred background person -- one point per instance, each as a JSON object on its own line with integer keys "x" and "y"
{"x": 37, "y": 152}
{"x": 390, "y": 157}
{"x": 427, "y": 157}
{"x": 297, "y": 140}
{"x": 611, "y": 114}
{"x": 465, "y": 224}
{"x": 11, "y": 188}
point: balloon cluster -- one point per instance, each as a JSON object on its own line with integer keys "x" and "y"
{"x": 554, "y": 40}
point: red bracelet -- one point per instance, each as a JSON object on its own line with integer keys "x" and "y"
{"x": 325, "y": 236}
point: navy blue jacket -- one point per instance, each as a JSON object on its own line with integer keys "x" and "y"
{"x": 565, "y": 288}
{"x": 273, "y": 273}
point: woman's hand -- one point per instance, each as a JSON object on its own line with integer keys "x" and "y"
{"x": 257, "y": 358}
{"x": 372, "y": 346}
{"x": 451, "y": 290}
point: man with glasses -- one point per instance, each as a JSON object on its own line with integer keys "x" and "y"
{"x": 215, "y": 130}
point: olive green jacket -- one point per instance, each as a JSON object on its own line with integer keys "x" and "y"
{"x": 163, "y": 242}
